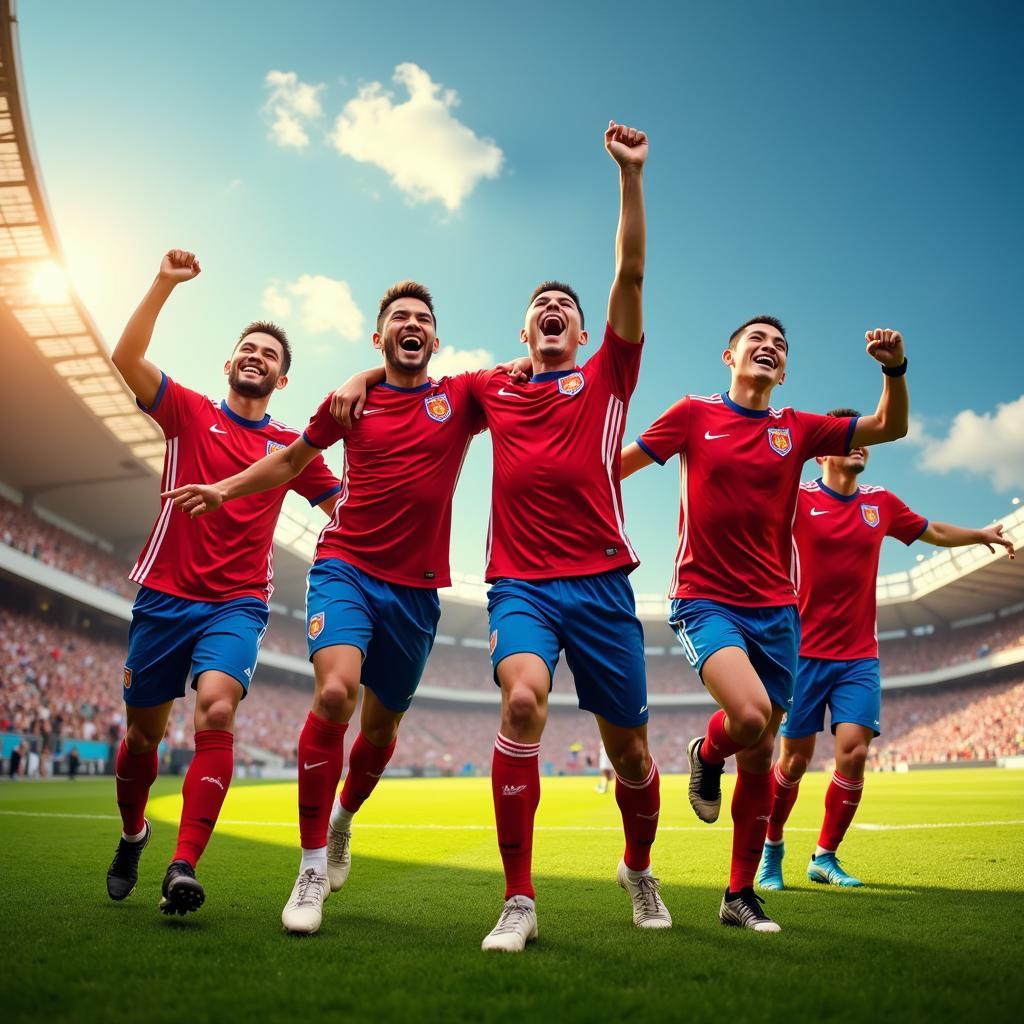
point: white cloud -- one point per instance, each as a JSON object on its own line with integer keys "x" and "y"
{"x": 327, "y": 306}
{"x": 450, "y": 360}
{"x": 291, "y": 106}
{"x": 275, "y": 303}
{"x": 988, "y": 444}
{"x": 428, "y": 153}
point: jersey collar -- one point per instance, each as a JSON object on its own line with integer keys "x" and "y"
{"x": 754, "y": 414}
{"x": 540, "y": 378}
{"x": 836, "y": 494}
{"x": 241, "y": 420}
{"x": 425, "y": 386}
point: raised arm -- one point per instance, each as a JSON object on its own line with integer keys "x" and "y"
{"x": 130, "y": 354}
{"x": 945, "y": 535}
{"x": 628, "y": 148}
{"x": 263, "y": 475}
{"x": 891, "y": 419}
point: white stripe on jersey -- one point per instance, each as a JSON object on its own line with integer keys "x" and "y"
{"x": 710, "y": 399}
{"x": 611, "y": 443}
{"x": 335, "y": 521}
{"x": 141, "y": 569}
{"x": 685, "y": 535}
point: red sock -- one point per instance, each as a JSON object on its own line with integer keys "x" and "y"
{"x": 366, "y": 764}
{"x": 206, "y": 785}
{"x": 751, "y": 803}
{"x": 639, "y": 803}
{"x": 784, "y": 793}
{"x": 321, "y": 756}
{"x": 515, "y": 784}
{"x": 841, "y": 801}
{"x": 134, "y": 774}
{"x": 718, "y": 744}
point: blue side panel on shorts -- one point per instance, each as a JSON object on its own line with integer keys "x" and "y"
{"x": 593, "y": 619}
{"x": 169, "y": 637}
{"x": 770, "y": 637}
{"x": 394, "y": 626}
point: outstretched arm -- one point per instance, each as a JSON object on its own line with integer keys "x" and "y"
{"x": 130, "y": 354}
{"x": 891, "y": 420}
{"x": 628, "y": 148}
{"x": 945, "y": 535}
{"x": 269, "y": 472}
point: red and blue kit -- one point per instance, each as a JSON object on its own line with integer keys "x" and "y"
{"x": 385, "y": 552}
{"x": 558, "y": 554}
{"x": 838, "y": 541}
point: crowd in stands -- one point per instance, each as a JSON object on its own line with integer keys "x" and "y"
{"x": 26, "y": 532}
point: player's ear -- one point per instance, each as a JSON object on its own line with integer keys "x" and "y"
{"x": 782, "y": 379}
{"x": 820, "y": 460}
{"x": 377, "y": 340}
{"x": 282, "y": 381}
{"x": 523, "y": 336}
{"x": 437, "y": 344}
{"x": 583, "y": 337}
{"x": 729, "y": 357}
{"x": 227, "y": 367}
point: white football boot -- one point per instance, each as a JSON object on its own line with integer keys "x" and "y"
{"x": 516, "y": 926}
{"x": 339, "y": 856}
{"x": 649, "y": 910}
{"x": 304, "y": 909}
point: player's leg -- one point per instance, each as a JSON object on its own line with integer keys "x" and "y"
{"x": 795, "y": 755}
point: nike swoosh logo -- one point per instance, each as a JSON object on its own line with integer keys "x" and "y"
{"x": 371, "y": 412}
{"x": 121, "y": 778}
{"x": 821, "y": 512}
{"x": 372, "y": 776}
{"x": 510, "y": 394}
{"x": 217, "y": 430}
{"x": 309, "y": 767}
{"x": 649, "y": 817}
{"x": 708, "y": 436}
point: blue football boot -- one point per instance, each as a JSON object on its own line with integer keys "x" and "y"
{"x": 770, "y": 874}
{"x": 825, "y": 868}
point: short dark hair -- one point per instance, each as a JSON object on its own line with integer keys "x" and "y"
{"x": 405, "y": 290}
{"x": 557, "y": 286}
{"x": 843, "y": 413}
{"x": 772, "y": 321}
{"x": 277, "y": 333}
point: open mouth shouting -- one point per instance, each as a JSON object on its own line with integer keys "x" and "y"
{"x": 412, "y": 341}
{"x": 252, "y": 371}
{"x": 552, "y": 324}
{"x": 767, "y": 360}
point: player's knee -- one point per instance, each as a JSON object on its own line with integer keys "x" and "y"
{"x": 381, "y": 735}
{"x": 140, "y": 741}
{"x": 632, "y": 759}
{"x": 794, "y": 765}
{"x": 851, "y": 761}
{"x": 218, "y": 714}
{"x": 748, "y": 724}
{"x": 336, "y": 697}
{"x": 522, "y": 707}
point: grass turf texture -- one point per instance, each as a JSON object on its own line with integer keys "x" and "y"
{"x": 934, "y": 935}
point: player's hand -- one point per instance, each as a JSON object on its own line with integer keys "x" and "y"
{"x": 348, "y": 401}
{"x": 628, "y": 146}
{"x": 885, "y": 345}
{"x": 519, "y": 370}
{"x": 179, "y": 265}
{"x": 195, "y": 499}
{"x": 993, "y": 535}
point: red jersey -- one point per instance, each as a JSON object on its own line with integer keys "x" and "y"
{"x": 838, "y": 539}
{"x": 229, "y": 553}
{"x": 556, "y": 506}
{"x": 402, "y": 461}
{"x": 738, "y": 481}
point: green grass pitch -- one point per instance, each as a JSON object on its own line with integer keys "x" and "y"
{"x": 935, "y": 935}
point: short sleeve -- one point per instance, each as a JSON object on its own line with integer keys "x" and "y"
{"x": 618, "y": 361}
{"x": 666, "y": 436}
{"x": 825, "y": 435}
{"x": 468, "y": 388}
{"x": 173, "y": 406}
{"x": 323, "y": 429}
{"x": 316, "y": 483}
{"x": 904, "y": 524}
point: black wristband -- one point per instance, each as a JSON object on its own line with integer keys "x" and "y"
{"x": 896, "y": 371}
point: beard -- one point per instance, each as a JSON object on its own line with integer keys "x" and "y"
{"x": 251, "y": 388}
{"x": 393, "y": 354}
{"x": 859, "y": 468}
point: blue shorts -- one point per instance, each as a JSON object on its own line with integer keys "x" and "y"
{"x": 770, "y": 637}
{"x": 593, "y": 618}
{"x": 851, "y": 689}
{"x": 169, "y": 636}
{"x": 392, "y": 625}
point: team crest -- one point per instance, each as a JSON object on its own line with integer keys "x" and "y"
{"x": 494, "y": 641}
{"x": 316, "y": 625}
{"x": 274, "y": 446}
{"x": 780, "y": 441}
{"x": 571, "y": 383}
{"x": 127, "y": 677}
{"x": 438, "y": 407}
{"x": 870, "y": 514}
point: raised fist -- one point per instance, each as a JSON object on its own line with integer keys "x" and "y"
{"x": 628, "y": 146}
{"x": 179, "y": 265}
{"x": 885, "y": 345}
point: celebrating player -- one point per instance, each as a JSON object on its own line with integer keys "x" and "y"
{"x": 372, "y": 606}
{"x": 734, "y": 601}
{"x": 204, "y": 585}
{"x": 839, "y": 529}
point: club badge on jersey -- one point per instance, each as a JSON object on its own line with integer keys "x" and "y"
{"x": 869, "y": 513}
{"x": 438, "y": 407}
{"x": 316, "y": 625}
{"x": 571, "y": 383}
{"x": 275, "y": 446}
{"x": 127, "y": 677}
{"x": 779, "y": 440}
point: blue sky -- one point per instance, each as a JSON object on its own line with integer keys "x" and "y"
{"x": 842, "y": 167}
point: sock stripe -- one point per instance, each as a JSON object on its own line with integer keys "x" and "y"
{"x": 783, "y": 779}
{"x": 632, "y": 784}
{"x": 844, "y": 783}
{"x": 512, "y": 749}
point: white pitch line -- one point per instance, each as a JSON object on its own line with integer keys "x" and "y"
{"x": 427, "y": 827}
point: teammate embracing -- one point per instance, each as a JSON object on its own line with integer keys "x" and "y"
{"x": 733, "y": 596}
{"x": 204, "y": 585}
{"x": 839, "y": 529}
